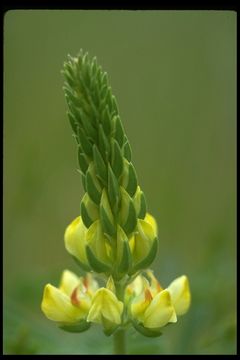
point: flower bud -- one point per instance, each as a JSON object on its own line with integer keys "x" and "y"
{"x": 98, "y": 249}
{"x": 106, "y": 216}
{"x": 129, "y": 178}
{"x": 145, "y": 244}
{"x": 127, "y": 213}
{"x": 123, "y": 260}
{"x": 75, "y": 241}
{"x": 140, "y": 203}
{"x": 89, "y": 211}
{"x": 93, "y": 186}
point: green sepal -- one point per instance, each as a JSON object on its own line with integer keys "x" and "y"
{"x": 110, "y": 331}
{"x": 104, "y": 79}
{"x": 84, "y": 181}
{"x": 117, "y": 159}
{"x": 92, "y": 185}
{"x": 69, "y": 95}
{"x": 89, "y": 210}
{"x": 113, "y": 189}
{"x": 82, "y": 160}
{"x": 132, "y": 180}
{"x": 131, "y": 222}
{"x": 68, "y": 70}
{"x": 89, "y": 129}
{"x": 68, "y": 77}
{"x": 140, "y": 203}
{"x": 127, "y": 213}
{"x": 129, "y": 178}
{"x": 84, "y": 64}
{"x": 82, "y": 266}
{"x": 93, "y": 66}
{"x": 127, "y": 152}
{"x": 73, "y": 122}
{"x": 85, "y": 58}
{"x": 114, "y": 104}
{"x": 76, "y": 328}
{"x": 103, "y": 142}
{"x": 108, "y": 228}
{"x": 143, "y": 207}
{"x": 108, "y": 98}
{"x": 123, "y": 252}
{"x": 118, "y": 132}
{"x": 146, "y": 331}
{"x": 73, "y": 110}
{"x": 95, "y": 263}
{"x": 103, "y": 90}
{"x": 108, "y": 327}
{"x": 106, "y": 120}
{"x": 99, "y": 76}
{"x": 85, "y": 143}
{"x": 96, "y": 95}
{"x": 100, "y": 166}
{"x": 86, "y": 75}
{"x": 144, "y": 264}
{"x": 106, "y": 216}
{"x": 85, "y": 217}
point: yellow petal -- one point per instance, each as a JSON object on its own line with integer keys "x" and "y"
{"x": 160, "y": 311}
{"x": 143, "y": 240}
{"x": 97, "y": 241}
{"x": 137, "y": 285}
{"x": 69, "y": 282}
{"x": 75, "y": 239}
{"x": 155, "y": 286}
{"x": 110, "y": 285}
{"x": 105, "y": 304}
{"x": 132, "y": 243}
{"x": 173, "y": 318}
{"x": 57, "y": 306}
{"x": 91, "y": 284}
{"x": 151, "y": 220}
{"x": 139, "y": 306}
{"x": 180, "y": 294}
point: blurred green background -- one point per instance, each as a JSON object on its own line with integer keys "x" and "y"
{"x": 174, "y": 76}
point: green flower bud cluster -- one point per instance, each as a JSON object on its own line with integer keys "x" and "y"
{"x": 113, "y": 208}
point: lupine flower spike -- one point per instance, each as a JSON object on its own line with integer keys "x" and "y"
{"x": 113, "y": 234}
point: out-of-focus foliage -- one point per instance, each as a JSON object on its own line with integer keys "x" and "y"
{"x": 174, "y": 75}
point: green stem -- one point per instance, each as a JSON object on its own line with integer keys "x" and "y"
{"x": 119, "y": 336}
{"x": 119, "y": 342}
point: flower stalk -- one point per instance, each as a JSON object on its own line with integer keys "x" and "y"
{"x": 119, "y": 342}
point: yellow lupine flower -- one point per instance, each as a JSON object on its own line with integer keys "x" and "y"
{"x": 75, "y": 240}
{"x": 70, "y": 302}
{"x": 155, "y": 307}
{"x": 160, "y": 311}
{"x": 97, "y": 240}
{"x": 105, "y": 306}
{"x": 153, "y": 310}
{"x": 141, "y": 242}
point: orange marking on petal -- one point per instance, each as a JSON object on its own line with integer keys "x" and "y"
{"x": 85, "y": 282}
{"x": 148, "y": 295}
{"x": 159, "y": 288}
{"x": 74, "y": 298}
